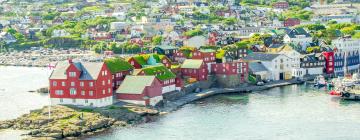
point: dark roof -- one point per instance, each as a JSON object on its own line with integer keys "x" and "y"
{"x": 276, "y": 45}
{"x": 297, "y": 31}
{"x": 261, "y": 56}
{"x": 257, "y": 67}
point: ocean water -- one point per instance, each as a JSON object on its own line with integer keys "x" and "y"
{"x": 15, "y": 82}
{"x": 298, "y": 112}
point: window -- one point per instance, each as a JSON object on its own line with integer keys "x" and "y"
{"x": 72, "y": 91}
{"x": 91, "y": 93}
{"x": 109, "y": 82}
{"x": 86, "y": 101}
{"x": 105, "y": 72}
{"x": 103, "y": 83}
{"x": 72, "y": 74}
{"x": 54, "y": 83}
{"x": 91, "y": 84}
{"x": 74, "y": 100}
{"x": 72, "y": 84}
{"x": 61, "y": 100}
{"x": 83, "y": 93}
{"x": 82, "y": 84}
{"x": 63, "y": 84}
{"x": 103, "y": 91}
{"x": 109, "y": 90}
{"x": 59, "y": 92}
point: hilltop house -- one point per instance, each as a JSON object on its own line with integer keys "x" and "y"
{"x": 167, "y": 50}
{"x": 81, "y": 83}
{"x": 194, "y": 68}
{"x": 7, "y": 37}
{"x": 163, "y": 74}
{"x": 291, "y": 22}
{"x": 145, "y": 60}
{"x": 278, "y": 64}
{"x": 119, "y": 68}
{"x": 297, "y": 36}
{"x": 142, "y": 90}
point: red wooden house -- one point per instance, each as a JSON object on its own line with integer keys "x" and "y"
{"x": 84, "y": 84}
{"x": 231, "y": 68}
{"x": 179, "y": 56}
{"x": 329, "y": 62}
{"x": 281, "y": 5}
{"x": 163, "y": 74}
{"x": 207, "y": 55}
{"x": 194, "y": 68}
{"x": 143, "y": 90}
{"x": 119, "y": 68}
{"x": 291, "y": 22}
{"x": 143, "y": 60}
{"x": 137, "y": 41}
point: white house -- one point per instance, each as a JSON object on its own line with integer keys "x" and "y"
{"x": 295, "y": 62}
{"x": 297, "y": 36}
{"x": 278, "y": 64}
{"x": 60, "y": 33}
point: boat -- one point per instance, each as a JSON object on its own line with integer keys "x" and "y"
{"x": 319, "y": 81}
{"x": 347, "y": 88}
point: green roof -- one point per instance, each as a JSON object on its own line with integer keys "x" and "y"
{"x": 161, "y": 72}
{"x": 167, "y": 47}
{"x": 117, "y": 64}
{"x": 192, "y": 63}
{"x": 142, "y": 58}
{"x": 135, "y": 84}
{"x": 207, "y": 50}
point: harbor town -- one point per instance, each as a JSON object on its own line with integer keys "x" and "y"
{"x": 111, "y": 69}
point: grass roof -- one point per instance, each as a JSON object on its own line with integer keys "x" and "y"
{"x": 117, "y": 64}
{"x": 160, "y": 72}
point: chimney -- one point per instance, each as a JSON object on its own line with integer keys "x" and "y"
{"x": 70, "y": 61}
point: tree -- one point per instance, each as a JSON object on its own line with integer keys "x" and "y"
{"x": 157, "y": 40}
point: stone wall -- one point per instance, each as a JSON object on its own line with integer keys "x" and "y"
{"x": 229, "y": 81}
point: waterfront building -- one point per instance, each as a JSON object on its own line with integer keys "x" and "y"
{"x": 207, "y": 55}
{"x": 281, "y": 5}
{"x": 194, "y": 68}
{"x": 234, "y": 72}
{"x": 329, "y": 62}
{"x": 81, "y": 83}
{"x": 350, "y": 49}
{"x": 314, "y": 64}
{"x": 119, "y": 68}
{"x": 278, "y": 64}
{"x": 163, "y": 74}
{"x": 259, "y": 70}
{"x": 339, "y": 63}
{"x": 290, "y": 52}
{"x": 142, "y": 90}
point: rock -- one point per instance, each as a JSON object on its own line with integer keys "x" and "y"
{"x": 55, "y": 135}
{"x": 43, "y": 90}
{"x": 34, "y": 132}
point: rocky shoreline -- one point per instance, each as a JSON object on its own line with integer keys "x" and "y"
{"x": 67, "y": 121}
{"x": 71, "y": 121}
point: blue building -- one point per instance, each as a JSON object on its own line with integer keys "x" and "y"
{"x": 339, "y": 64}
{"x": 352, "y": 62}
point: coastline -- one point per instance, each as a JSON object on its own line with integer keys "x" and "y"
{"x": 114, "y": 116}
